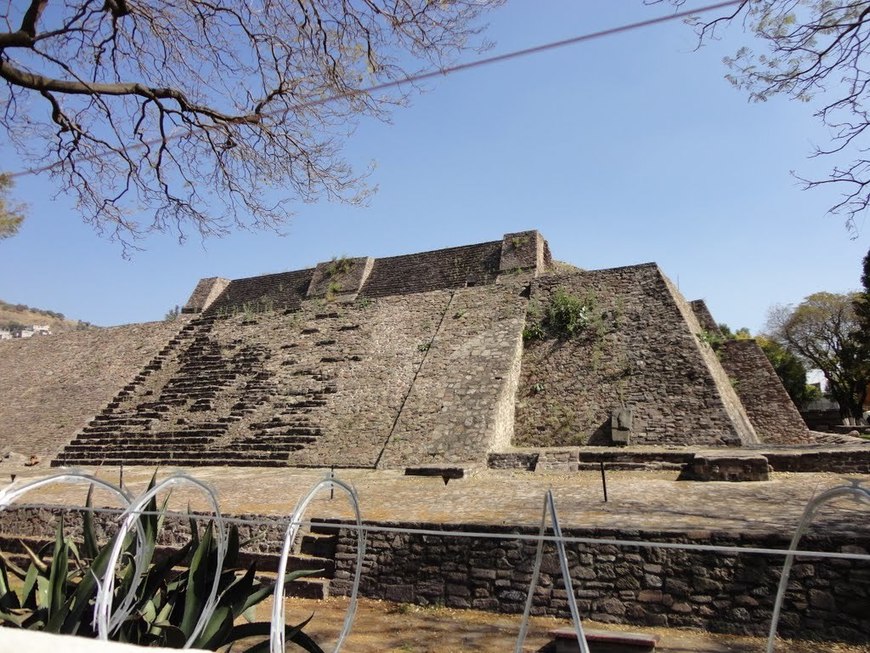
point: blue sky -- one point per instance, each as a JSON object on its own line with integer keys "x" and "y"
{"x": 623, "y": 150}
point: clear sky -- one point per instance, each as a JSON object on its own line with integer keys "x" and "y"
{"x": 623, "y": 150}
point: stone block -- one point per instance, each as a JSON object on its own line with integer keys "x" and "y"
{"x": 340, "y": 278}
{"x": 728, "y": 466}
{"x": 522, "y": 251}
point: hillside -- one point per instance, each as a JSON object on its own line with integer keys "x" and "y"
{"x": 16, "y": 316}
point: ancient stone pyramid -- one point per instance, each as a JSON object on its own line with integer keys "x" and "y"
{"x": 421, "y": 359}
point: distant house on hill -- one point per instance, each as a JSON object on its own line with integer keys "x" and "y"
{"x": 26, "y": 332}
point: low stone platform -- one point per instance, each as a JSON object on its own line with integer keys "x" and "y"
{"x": 636, "y": 500}
{"x": 604, "y": 641}
{"x": 852, "y": 457}
{"x": 732, "y": 466}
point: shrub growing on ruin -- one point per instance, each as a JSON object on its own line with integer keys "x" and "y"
{"x": 565, "y": 316}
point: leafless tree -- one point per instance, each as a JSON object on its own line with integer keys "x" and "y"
{"x": 813, "y": 51}
{"x": 152, "y": 113}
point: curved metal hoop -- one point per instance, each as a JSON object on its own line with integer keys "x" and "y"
{"x": 858, "y": 493}
{"x": 132, "y": 516}
{"x": 10, "y": 494}
{"x": 276, "y": 637}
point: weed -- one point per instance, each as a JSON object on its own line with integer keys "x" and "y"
{"x": 339, "y": 266}
{"x": 565, "y": 317}
{"x": 712, "y": 339}
{"x": 518, "y": 241}
{"x": 424, "y": 346}
{"x": 332, "y": 290}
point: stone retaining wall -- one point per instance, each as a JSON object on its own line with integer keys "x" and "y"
{"x": 50, "y": 387}
{"x": 775, "y": 417}
{"x": 460, "y": 405}
{"x": 841, "y": 460}
{"x": 721, "y": 592}
{"x": 640, "y": 350}
{"x": 284, "y": 290}
{"x": 718, "y": 591}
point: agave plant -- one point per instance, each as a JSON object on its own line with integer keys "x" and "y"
{"x": 56, "y": 593}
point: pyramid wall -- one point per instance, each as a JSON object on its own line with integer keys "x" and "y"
{"x": 641, "y": 352}
{"x": 389, "y": 363}
{"x": 51, "y": 386}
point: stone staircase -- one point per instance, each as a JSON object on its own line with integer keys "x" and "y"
{"x": 216, "y": 396}
{"x": 314, "y": 551}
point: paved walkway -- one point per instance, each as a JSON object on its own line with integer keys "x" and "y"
{"x": 636, "y": 500}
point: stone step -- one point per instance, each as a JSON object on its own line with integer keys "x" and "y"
{"x": 127, "y": 443}
{"x": 269, "y": 445}
{"x": 83, "y": 461}
{"x": 306, "y": 403}
{"x": 218, "y": 457}
{"x": 318, "y": 544}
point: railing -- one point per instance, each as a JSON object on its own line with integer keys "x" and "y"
{"x": 133, "y": 508}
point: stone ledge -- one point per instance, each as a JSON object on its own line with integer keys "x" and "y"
{"x": 732, "y": 466}
{"x": 602, "y": 641}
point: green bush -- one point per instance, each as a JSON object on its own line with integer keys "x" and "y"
{"x": 57, "y": 593}
{"x": 566, "y": 316}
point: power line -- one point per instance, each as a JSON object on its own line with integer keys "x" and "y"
{"x": 443, "y": 72}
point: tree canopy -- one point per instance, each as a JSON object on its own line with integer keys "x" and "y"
{"x": 819, "y": 331}
{"x": 171, "y": 109}
{"x": 812, "y": 51}
{"x": 11, "y": 215}
{"x": 790, "y": 370}
{"x": 788, "y": 367}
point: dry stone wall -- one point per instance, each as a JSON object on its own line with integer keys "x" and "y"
{"x": 284, "y": 290}
{"x": 51, "y": 386}
{"x": 711, "y": 590}
{"x": 456, "y": 267}
{"x": 718, "y": 591}
{"x": 459, "y": 407}
{"x": 640, "y": 350}
{"x": 704, "y": 316}
{"x": 774, "y": 415}
{"x": 205, "y": 293}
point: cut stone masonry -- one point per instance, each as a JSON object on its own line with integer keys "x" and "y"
{"x": 418, "y": 360}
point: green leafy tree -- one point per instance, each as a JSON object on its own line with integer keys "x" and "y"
{"x": 861, "y": 335}
{"x": 186, "y": 106}
{"x": 813, "y": 51}
{"x": 11, "y": 215}
{"x": 790, "y": 370}
{"x": 819, "y": 332}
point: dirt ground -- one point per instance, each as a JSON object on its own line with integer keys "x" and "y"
{"x": 382, "y": 626}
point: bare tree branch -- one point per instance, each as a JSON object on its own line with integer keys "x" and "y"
{"x": 194, "y": 114}
{"x": 811, "y": 49}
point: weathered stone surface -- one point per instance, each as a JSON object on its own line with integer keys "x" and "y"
{"x": 728, "y": 466}
{"x": 427, "y": 366}
{"x": 774, "y": 416}
{"x": 640, "y": 350}
{"x": 206, "y": 291}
